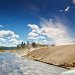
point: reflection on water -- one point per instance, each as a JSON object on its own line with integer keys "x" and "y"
{"x": 12, "y": 64}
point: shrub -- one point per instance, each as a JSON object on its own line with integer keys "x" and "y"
{"x": 34, "y": 44}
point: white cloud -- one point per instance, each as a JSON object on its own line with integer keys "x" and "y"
{"x": 35, "y": 38}
{"x": 67, "y": 9}
{"x": 54, "y": 31}
{"x": 46, "y": 42}
{"x": 8, "y": 34}
{"x": 2, "y": 40}
{"x": 1, "y": 26}
{"x": 33, "y": 26}
{"x": 8, "y": 38}
{"x": 31, "y": 38}
{"x": 33, "y": 34}
{"x": 41, "y": 37}
{"x": 15, "y": 41}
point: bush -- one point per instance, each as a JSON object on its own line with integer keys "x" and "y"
{"x": 53, "y": 45}
{"x": 34, "y": 44}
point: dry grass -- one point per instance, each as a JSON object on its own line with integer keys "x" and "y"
{"x": 58, "y": 55}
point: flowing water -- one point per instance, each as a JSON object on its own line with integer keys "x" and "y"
{"x": 13, "y": 64}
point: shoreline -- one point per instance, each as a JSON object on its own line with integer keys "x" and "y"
{"x": 68, "y": 68}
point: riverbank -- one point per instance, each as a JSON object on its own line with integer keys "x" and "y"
{"x": 62, "y": 56}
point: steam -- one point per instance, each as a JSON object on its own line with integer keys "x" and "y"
{"x": 56, "y": 31}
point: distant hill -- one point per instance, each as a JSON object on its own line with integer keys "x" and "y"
{"x": 7, "y": 48}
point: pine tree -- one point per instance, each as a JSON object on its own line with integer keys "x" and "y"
{"x": 22, "y": 45}
{"x": 18, "y": 47}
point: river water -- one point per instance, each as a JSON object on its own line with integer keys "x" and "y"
{"x": 13, "y": 64}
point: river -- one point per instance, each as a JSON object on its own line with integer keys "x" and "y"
{"x": 13, "y": 64}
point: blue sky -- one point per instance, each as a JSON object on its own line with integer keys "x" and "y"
{"x": 28, "y": 19}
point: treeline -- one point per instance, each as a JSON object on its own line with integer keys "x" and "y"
{"x": 22, "y": 45}
{"x": 7, "y": 48}
{"x": 29, "y": 45}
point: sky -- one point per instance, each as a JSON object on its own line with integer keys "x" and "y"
{"x": 40, "y": 21}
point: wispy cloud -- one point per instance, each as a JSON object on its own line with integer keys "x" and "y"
{"x": 73, "y": 1}
{"x": 67, "y": 9}
{"x": 55, "y": 31}
{"x": 1, "y": 26}
{"x": 61, "y": 10}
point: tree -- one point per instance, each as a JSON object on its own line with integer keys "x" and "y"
{"x": 17, "y": 46}
{"x": 53, "y": 45}
{"x": 22, "y": 45}
{"x": 1, "y": 49}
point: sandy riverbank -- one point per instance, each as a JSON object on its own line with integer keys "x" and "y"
{"x": 63, "y": 56}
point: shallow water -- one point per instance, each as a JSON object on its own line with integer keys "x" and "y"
{"x": 13, "y": 64}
